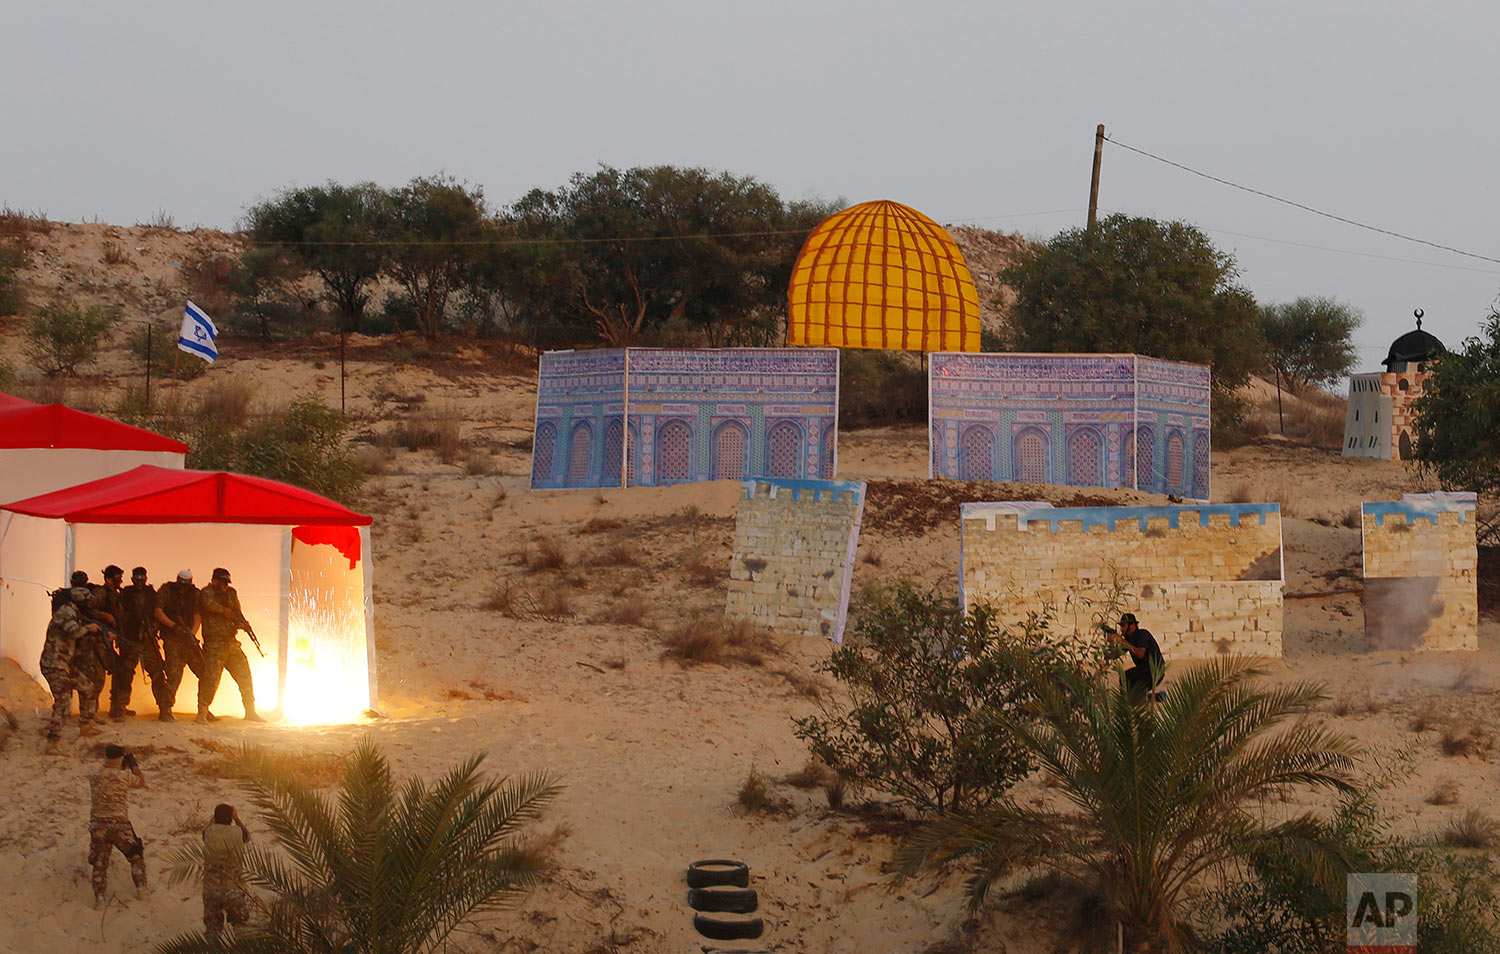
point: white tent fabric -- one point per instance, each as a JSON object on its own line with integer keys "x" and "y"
{"x": 31, "y": 471}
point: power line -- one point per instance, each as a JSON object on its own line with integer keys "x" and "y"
{"x": 1299, "y": 205}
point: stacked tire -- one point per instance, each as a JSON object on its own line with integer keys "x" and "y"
{"x": 719, "y": 892}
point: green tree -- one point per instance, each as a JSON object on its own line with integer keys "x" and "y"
{"x": 332, "y": 230}
{"x": 658, "y": 245}
{"x": 304, "y": 443}
{"x": 1309, "y": 341}
{"x": 434, "y": 228}
{"x": 1457, "y": 425}
{"x": 1138, "y": 285}
{"x": 263, "y": 283}
{"x": 376, "y": 869}
{"x": 64, "y": 336}
{"x": 1159, "y": 794}
{"x": 925, "y": 684}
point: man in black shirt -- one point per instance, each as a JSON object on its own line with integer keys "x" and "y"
{"x": 1146, "y": 673}
{"x": 137, "y": 642}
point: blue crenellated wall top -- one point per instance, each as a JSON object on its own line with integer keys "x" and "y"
{"x": 819, "y": 488}
{"x": 1091, "y": 517}
{"x": 1415, "y": 510}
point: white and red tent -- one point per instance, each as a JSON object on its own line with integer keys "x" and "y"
{"x": 46, "y": 447}
{"x": 300, "y": 562}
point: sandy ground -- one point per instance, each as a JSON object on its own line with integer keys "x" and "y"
{"x": 651, "y": 753}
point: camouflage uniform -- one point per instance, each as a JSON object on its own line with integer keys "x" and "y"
{"x": 179, "y": 601}
{"x": 222, "y": 618}
{"x": 64, "y": 634}
{"x": 109, "y": 827}
{"x": 137, "y": 643}
{"x": 224, "y": 896}
{"x": 95, "y": 657}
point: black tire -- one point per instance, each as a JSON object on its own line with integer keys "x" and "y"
{"x": 724, "y": 897}
{"x": 717, "y": 871}
{"x": 728, "y": 928}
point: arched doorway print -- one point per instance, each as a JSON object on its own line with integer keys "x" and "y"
{"x": 1200, "y": 466}
{"x": 1031, "y": 457}
{"x": 1176, "y": 476}
{"x": 1085, "y": 457}
{"x": 614, "y": 447}
{"x": 784, "y": 450}
{"x": 674, "y": 453}
{"x": 730, "y": 444}
{"x": 542, "y": 452}
{"x": 1145, "y": 458}
{"x": 580, "y": 449}
{"x": 978, "y": 461}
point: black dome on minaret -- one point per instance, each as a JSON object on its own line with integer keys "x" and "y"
{"x": 1414, "y": 347}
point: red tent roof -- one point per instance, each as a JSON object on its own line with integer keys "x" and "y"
{"x": 165, "y": 495}
{"x": 10, "y": 402}
{"x": 25, "y": 424}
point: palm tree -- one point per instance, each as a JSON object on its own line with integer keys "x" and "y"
{"x": 1162, "y": 792}
{"x": 374, "y": 869}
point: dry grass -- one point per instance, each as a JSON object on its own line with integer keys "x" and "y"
{"x": 1241, "y": 493}
{"x": 805, "y": 684}
{"x": 313, "y": 769}
{"x": 708, "y": 639}
{"x": 811, "y": 775}
{"x": 703, "y": 568}
{"x": 1355, "y": 705}
{"x": 505, "y": 599}
{"x": 873, "y": 557}
{"x": 630, "y": 611}
{"x": 429, "y": 427}
{"x": 543, "y": 554}
{"x": 227, "y": 402}
{"x": 479, "y": 464}
{"x": 1446, "y": 793}
{"x": 1474, "y": 830}
{"x": 555, "y": 605}
{"x": 601, "y": 525}
{"x": 115, "y": 254}
{"x": 618, "y": 553}
{"x": 1353, "y": 517}
{"x": 756, "y": 795}
{"x": 1427, "y": 717}
{"x": 1466, "y": 741}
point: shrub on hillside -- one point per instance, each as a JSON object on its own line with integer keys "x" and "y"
{"x": 302, "y": 443}
{"x": 64, "y": 336}
{"x": 925, "y": 686}
{"x": 166, "y": 360}
{"x": 12, "y": 258}
{"x": 881, "y": 387}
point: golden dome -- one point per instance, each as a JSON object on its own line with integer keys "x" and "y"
{"x": 882, "y": 275}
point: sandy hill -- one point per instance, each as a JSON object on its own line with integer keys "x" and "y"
{"x": 653, "y": 753}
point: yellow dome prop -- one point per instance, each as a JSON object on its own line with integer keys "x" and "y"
{"x": 882, "y": 275}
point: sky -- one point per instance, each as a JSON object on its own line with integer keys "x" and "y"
{"x": 974, "y": 113}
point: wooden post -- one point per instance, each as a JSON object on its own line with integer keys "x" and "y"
{"x": 342, "y": 336}
{"x": 148, "y": 367}
{"x": 1094, "y": 183}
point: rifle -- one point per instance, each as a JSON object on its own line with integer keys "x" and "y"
{"x": 250, "y": 631}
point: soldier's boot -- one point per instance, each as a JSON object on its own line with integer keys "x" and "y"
{"x": 142, "y": 892}
{"x": 117, "y": 715}
{"x": 165, "y": 715}
{"x": 86, "y": 729}
{"x": 204, "y": 716}
{"x": 251, "y": 715}
{"x": 54, "y": 747}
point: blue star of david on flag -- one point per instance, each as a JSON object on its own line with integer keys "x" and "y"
{"x": 198, "y": 334}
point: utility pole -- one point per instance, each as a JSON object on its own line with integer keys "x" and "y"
{"x": 1094, "y": 183}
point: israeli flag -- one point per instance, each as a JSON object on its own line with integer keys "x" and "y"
{"x": 198, "y": 334}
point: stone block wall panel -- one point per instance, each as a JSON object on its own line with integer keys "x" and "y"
{"x": 793, "y": 562}
{"x": 1379, "y": 418}
{"x": 1098, "y": 420}
{"x": 1421, "y": 573}
{"x": 1205, "y": 579}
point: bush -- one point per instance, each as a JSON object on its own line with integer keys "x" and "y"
{"x": 302, "y": 443}
{"x": 64, "y": 336}
{"x": 1286, "y": 906}
{"x": 925, "y": 684}
{"x": 12, "y": 259}
{"x": 878, "y": 388}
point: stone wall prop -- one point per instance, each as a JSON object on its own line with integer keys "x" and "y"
{"x": 1421, "y": 573}
{"x": 793, "y": 562}
{"x": 1205, "y": 579}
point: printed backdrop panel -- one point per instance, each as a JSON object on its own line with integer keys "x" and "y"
{"x": 1093, "y": 420}
{"x": 579, "y": 434}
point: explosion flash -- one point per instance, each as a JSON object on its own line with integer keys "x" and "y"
{"x": 327, "y": 670}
